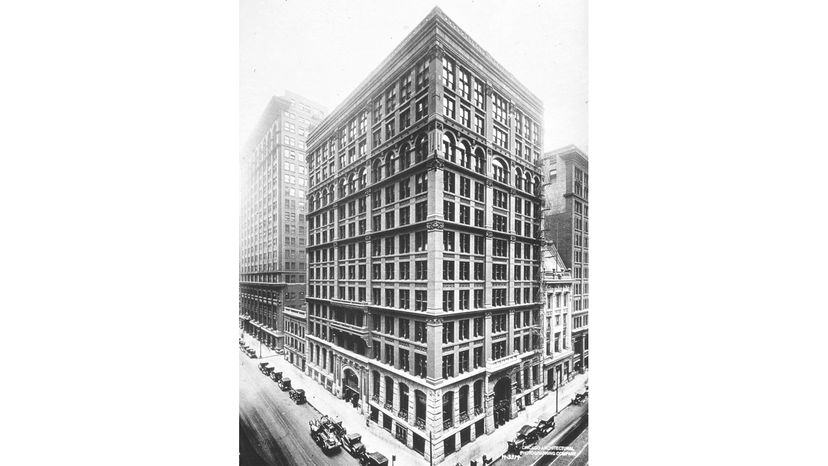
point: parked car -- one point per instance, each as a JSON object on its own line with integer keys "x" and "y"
{"x": 321, "y": 434}
{"x": 545, "y": 426}
{"x": 298, "y": 396}
{"x": 528, "y": 435}
{"x": 276, "y": 375}
{"x": 373, "y": 459}
{"x": 352, "y": 443}
{"x": 284, "y": 384}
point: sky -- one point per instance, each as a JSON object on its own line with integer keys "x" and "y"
{"x": 323, "y": 50}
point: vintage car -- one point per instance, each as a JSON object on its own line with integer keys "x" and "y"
{"x": 545, "y": 426}
{"x": 276, "y": 375}
{"x": 321, "y": 434}
{"x": 298, "y": 396}
{"x": 284, "y": 384}
{"x": 352, "y": 443}
{"x": 250, "y": 352}
{"x": 528, "y": 435}
{"x": 373, "y": 459}
{"x": 265, "y": 368}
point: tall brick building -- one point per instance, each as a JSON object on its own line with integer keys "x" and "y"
{"x": 566, "y": 223}
{"x": 273, "y": 182}
{"x": 424, "y": 307}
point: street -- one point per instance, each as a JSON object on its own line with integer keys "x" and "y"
{"x": 274, "y": 426}
{"x": 570, "y": 429}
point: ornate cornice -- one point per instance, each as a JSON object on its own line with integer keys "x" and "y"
{"x": 435, "y": 225}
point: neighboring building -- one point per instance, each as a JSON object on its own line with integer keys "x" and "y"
{"x": 556, "y": 287}
{"x": 424, "y": 305}
{"x": 566, "y": 223}
{"x": 295, "y": 327}
{"x": 273, "y": 182}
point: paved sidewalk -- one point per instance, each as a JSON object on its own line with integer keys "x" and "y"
{"x": 374, "y": 437}
{"x": 494, "y": 445}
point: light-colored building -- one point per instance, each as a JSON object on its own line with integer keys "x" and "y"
{"x": 424, "y": 302}
{"x": 556, "y": 288}
{"x": 295, "y": 343}
{"x": 273, "y": 183}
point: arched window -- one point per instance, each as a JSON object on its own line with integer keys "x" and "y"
{"x": 421, "y": 148}
{"x": 390, "y": 169}
{"x": 403, "y": 398}
{"x": 351, "y": 183}
{"x": 389, "y": 390}
{"x": 464, "y": 400}
{"x": 537, "y": 185}
{"x": 480, "y": 161}
{"x": 448, "y": 409}
{"x": 478, "y": 397}
{"x": 464, "y": 153}
{"x": 375, "y": 376}
{"x": 499, "y": 171}
{"x": 449, "y": 147}
{"x": 419, "y": 408}
{"x": 341, "y": 188}
{"x": 527, "y": 182}
{"x": 376, "y": 173}
{"x": 518, "y": 178}
{"x": 329, "y": 194}
{"x": 405, "y": 157}
{"x": 362, "y": 178}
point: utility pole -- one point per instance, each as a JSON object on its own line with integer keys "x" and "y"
{"x": 556, "y": 398}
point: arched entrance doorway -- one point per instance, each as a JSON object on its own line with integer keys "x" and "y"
{"x": 350, "y": 387}
{"x": 502, "y": 401}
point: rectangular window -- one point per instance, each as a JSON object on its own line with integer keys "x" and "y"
{"x": 420, "y": 303}
{"x": 448, "y": 73}
{"x": 422, "y": 74}
{"x": 421, "y": 109}
{"x": 405, "y": 215}
{"x": 465, "y": 117}
{"x": 448, "y": 240}
{"x": 448, "y": 107}
{"x": 500, "y": 138}
{"x": 391, "y": 99}
{"x": 421, "y": 183}
{"x": 479, "y": 126}
{"x": 448, "y": 182}
{"x": 448, "y": 270}
{"x": 420, "y": 211}
{"x": 420, "y": 241}
{"x": 479, "y": 96}
{"x": 463, "y": 84}
{"x": 420, "y": 332}
{"x": 499, "y": 108}
{"x": 420, "y": 270}
{"x": 448, "y": 210}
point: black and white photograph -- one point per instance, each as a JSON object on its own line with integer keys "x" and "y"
{"x": 368, "y": 233}
{"x": 414, "y": 234}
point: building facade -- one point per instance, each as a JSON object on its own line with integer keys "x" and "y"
{"x": 295, "y": 328}
{"x": 566, "y": 223}
{"x": 424, "y": 302}
{"x": 556, "y": 288}
{"x": 273, "y": 185}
